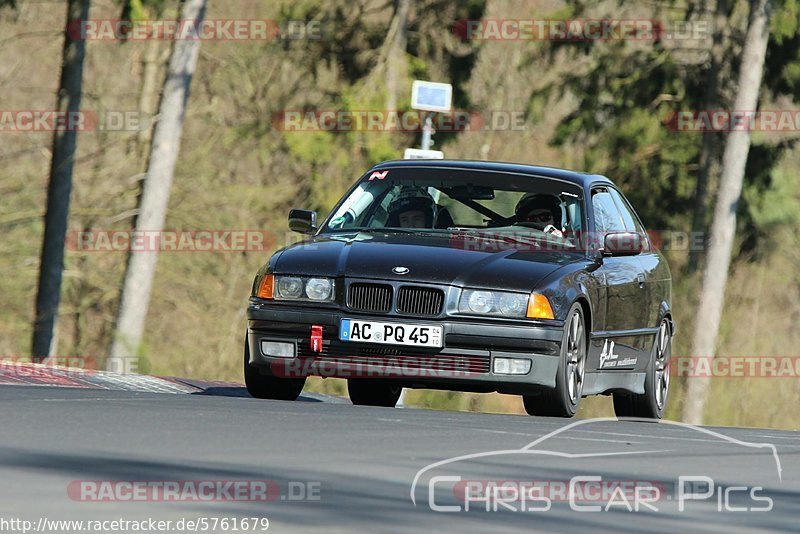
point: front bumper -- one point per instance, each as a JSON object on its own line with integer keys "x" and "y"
{"x": 465, "y": 362}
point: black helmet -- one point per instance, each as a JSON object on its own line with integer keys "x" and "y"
{"x": 412, "y": 199}
{"x": 539, "y": 201}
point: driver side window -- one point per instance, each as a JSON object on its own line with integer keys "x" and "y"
{"x": 607, "y": 218}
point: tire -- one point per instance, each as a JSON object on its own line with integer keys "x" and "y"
{"x": 367, "y": 392}
{"x": 269, "y": 387}
{"x": 563, "y": 401}
{"x": 652, "y": 403}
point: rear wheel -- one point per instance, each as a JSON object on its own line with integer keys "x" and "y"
{"x": 651, "y": 404}
{"x": 367, "y": 392}
{"x": 267, "y": 386}
{"x": 564, "y": 399}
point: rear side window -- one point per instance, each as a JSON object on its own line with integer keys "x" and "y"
{"x": 607, "y": 217}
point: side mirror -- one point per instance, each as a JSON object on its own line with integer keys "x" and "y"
{"x": 624, "y": 244}
{"x": 302, "y": 221}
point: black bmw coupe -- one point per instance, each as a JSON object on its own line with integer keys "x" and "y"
{"x": 468, "y": 276}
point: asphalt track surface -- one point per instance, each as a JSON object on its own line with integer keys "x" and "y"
{"x": 359, "y": 464}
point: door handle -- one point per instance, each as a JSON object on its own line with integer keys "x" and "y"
{"x": 640, "y": 278}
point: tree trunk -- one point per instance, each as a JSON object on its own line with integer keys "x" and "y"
{"x": 715, "y": 273}
{"x": 396, "y": 61}
{"x": 158, "y": 182}
{"x": 710, "y": 138}
{"x": 147, "y": 95}
{"x": 59, "y": 188}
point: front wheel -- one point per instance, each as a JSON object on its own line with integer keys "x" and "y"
{"x": 367, "y": 392}
{"x": 564, "y": 399}
{"x": 652, "y": 403}
{"x": 267, "y": 386}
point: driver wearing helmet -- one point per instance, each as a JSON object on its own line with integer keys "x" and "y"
{"x": 413, "y": 208}
{"x": 541, "y": 211}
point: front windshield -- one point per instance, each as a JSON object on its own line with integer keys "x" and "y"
{"x": 429, "y": 200}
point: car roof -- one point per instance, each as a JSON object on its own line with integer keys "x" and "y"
{"x": 576, "y": 177}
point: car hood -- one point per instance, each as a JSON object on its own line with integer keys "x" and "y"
{"x": 436, "y": 258}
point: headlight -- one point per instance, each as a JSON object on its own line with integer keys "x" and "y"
{"x": 480, "y": 301}
{"x": 289, "y": 287}
{"x": 512, "y": 304}
{"x": 493, "y": 303}
{"x": 319, "y": 288}
{"x": 505, "y": 304}
{"x": 301, "y": 288}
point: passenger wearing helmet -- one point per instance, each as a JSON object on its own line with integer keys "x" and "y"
{"x": 413, "y": 208}
{"x": 541, "y": 211}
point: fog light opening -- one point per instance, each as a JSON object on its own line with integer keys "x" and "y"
{"x": 511, "y": 366}
{"x": 277, "y": 349}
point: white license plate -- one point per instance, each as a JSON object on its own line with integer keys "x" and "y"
{"x": 390, "y": 333}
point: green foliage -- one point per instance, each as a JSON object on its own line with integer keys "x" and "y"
{"x": 782, "y": 69}
{"x": 770, "y": 198}
{"x": 774, "y": 204}
{"x": 619, "y": 128}
{"x": 312, "y": 148}
{"x": 620, "y": 123}
{"x": 142, "y": 9}
{"x": 785, "y": 20}
{"x": 347, "y": 65}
